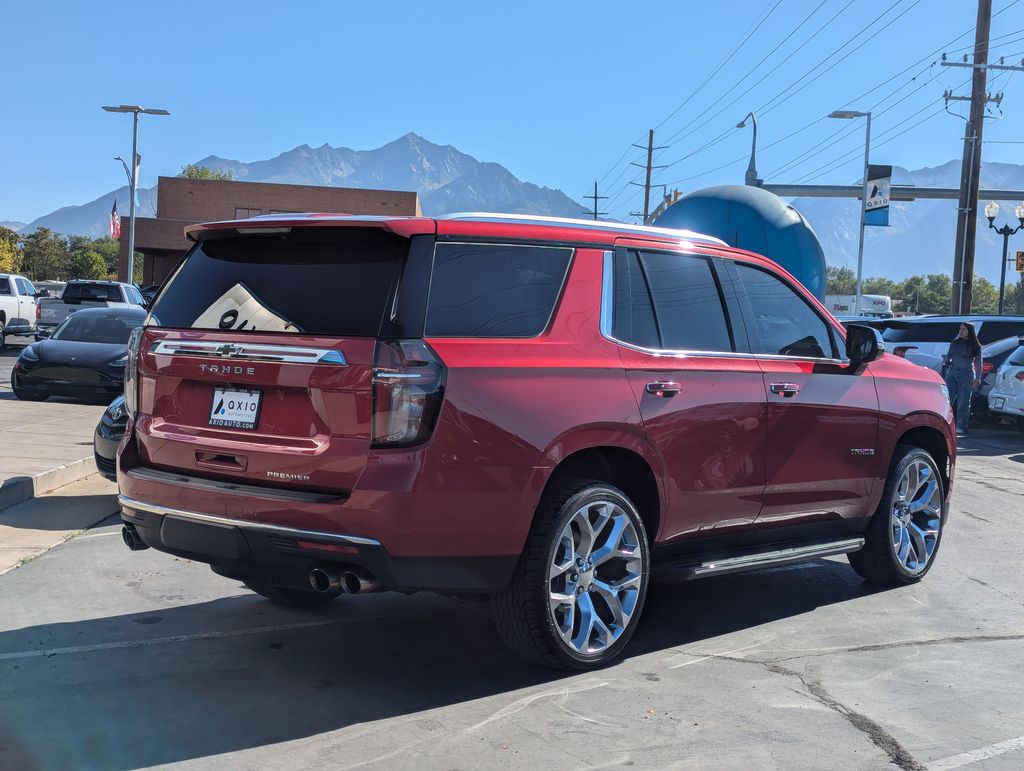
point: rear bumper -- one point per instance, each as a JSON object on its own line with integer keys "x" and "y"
{"x": 283, "y": 556}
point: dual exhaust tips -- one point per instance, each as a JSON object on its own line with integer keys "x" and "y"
{"x": 329, "y": 580}
{"x": 325, "y": 579}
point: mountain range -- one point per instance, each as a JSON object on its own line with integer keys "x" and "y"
{"x": 446, "y": 179}
{"x": 919, "y": 239}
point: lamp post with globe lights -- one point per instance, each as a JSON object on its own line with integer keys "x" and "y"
{"x": 991, "y": 210}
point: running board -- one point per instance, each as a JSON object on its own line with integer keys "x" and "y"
{"x": 765, "y": 559}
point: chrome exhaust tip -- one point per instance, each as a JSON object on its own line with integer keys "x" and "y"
{"x": 326, "y": 580}
{"x": 131, "y": 538}
{"x": 357, "y": 583}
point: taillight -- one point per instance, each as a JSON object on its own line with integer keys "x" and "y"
{"x": 408, "y": 387}
{"x": 986, "y": 367}
{"x": 39, "y": 311}
{"x": 901, "y": 350}
{"x": 1019, "y": 374}
{"x": 131, "y": 374}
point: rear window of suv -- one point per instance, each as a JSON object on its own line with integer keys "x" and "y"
{"x": 317, "y": 281}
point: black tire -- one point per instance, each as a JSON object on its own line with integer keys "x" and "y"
{"x": 877, "y": 561}
{"x": 295, "y": 598}
{"x": 522, "y": 612}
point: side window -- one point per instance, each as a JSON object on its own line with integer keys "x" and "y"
{"x": 687, "y": 302}
{"x": 5, "y": 286}
{"x": 24, "y": 288}
{"x": 784, "y": 324}
{"x": 997, "y": 330}
{"x": 633, "y": 315}
{"x": 72, "y": 292}
{"x": 494, "y": 290}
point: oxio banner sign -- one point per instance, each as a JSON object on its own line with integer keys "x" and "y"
{"x": 876, "y": 212}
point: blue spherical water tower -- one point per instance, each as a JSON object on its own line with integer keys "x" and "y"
{"x": 752, "y": 218}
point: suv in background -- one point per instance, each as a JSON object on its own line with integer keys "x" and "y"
{"x": 540, "y": 411}
{"x": 924, "y": 340}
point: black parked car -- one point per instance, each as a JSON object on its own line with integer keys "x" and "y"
{"x": 84, "y": 357}
{"x": 105, "y": 441}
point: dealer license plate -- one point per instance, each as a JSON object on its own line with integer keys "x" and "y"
{"x": 235, "y": 409}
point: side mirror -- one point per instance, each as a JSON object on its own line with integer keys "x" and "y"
{"x": 42, "y": 293}
{"x": 42, "y": 334}
{"x": 863, "y": 346}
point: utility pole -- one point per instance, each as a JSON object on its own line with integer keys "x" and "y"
{"x": 647, "y": 183}
{"x": 970, "y": 167}
{"x": 596, "y": 198}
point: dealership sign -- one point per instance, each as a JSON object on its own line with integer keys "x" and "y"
{"x": 876, "y": 209}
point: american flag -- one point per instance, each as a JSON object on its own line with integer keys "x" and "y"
{"x": 115, "y": 222}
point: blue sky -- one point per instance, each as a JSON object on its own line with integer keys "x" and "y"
{"x": 555, "y": 91}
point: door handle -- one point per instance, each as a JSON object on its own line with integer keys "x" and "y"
{"x": 787, "y": 390}
{"x": 666, "y": 389}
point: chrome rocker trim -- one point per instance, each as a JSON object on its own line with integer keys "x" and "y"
{"x": 263, "y": 527}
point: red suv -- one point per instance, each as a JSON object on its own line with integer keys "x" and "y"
{"x": 546, "y": 412}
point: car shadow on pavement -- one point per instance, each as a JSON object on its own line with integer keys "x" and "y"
{"x": 194, "y": 681}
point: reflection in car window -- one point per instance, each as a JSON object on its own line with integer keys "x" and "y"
{"x": 5, "y": 286}
{"x": 687, "y": 302}
{"x": 784, "y": 323}
{"x": 633, "y": 314}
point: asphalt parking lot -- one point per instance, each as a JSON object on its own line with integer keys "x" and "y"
{"x": 113, "y": 659}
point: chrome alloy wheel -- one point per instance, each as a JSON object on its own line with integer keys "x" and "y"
{"x": 916, "y": 516}
{"x": 595, "y": 576}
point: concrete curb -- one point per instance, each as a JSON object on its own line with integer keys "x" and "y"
{"x": 19, "y": 489}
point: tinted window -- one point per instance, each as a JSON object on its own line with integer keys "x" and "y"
{"x": 93, "y": 293}
{"x": 633, "y": 315}
{"x": 484, "y": 290}
{"x": 97, "y": 328}
{"x": 921, "y": 331}
{"x": 5, "y": 286}
{"x": 687, "y": 302}
{"x": 990, "y": 331}
{"x": 784, "y": 323}
{"x": 313, "y": 280}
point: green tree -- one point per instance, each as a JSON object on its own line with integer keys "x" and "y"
{"x": 1014, "y": 302}
{"x": 45, "y": 255}
{"x": 109, "y": 249}
{"x": 840, "y": 280}
{"x": 985, "y": 296}
{"x": 192, "y": 171}
{"x": 882, "y": 286}
{"x": 10, "y": 254}
{"x": 88, "y": 264}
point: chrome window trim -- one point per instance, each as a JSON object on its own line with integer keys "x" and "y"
{"x": 222, "y": 349}
{"x": 607, "y": 303}
{"x": 212, "y": 519}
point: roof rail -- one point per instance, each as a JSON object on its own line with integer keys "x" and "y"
{"x": 620, "y": 227}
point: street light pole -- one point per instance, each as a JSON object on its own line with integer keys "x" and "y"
{"x": 751, "y": 175}
{"x": 133, "y": 180}
{"x": 991, "y": 210}
{"x": 848, "y": 114}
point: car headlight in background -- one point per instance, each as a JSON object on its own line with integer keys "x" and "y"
{"x": 29, "y": 354}
{"x": 945, "y": 392}
{"x": 120, "y": 361}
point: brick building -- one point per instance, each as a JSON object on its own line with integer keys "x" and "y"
{"x": 180, "y": 202}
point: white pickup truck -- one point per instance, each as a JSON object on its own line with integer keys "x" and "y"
{"x": 85, "y": 294}
{"x": 17, "y": 306}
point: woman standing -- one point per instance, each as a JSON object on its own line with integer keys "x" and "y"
{"x": 964, "y": 373}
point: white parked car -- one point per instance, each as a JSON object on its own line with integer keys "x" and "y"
{"x": 925, "y": 340}
{"x": 17, "y": 306}
{"x": 1007, "y": 395}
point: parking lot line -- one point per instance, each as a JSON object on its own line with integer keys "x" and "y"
{"x": 982, "y": 753}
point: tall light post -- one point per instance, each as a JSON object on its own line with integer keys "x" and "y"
{"x": 991, "y": 210}
{"x": 751, "y": 175}
{"x": 847, "y": 115}
{"x": 133, "y": 177}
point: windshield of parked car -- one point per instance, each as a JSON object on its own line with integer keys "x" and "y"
{"x": 97, "y": 328}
